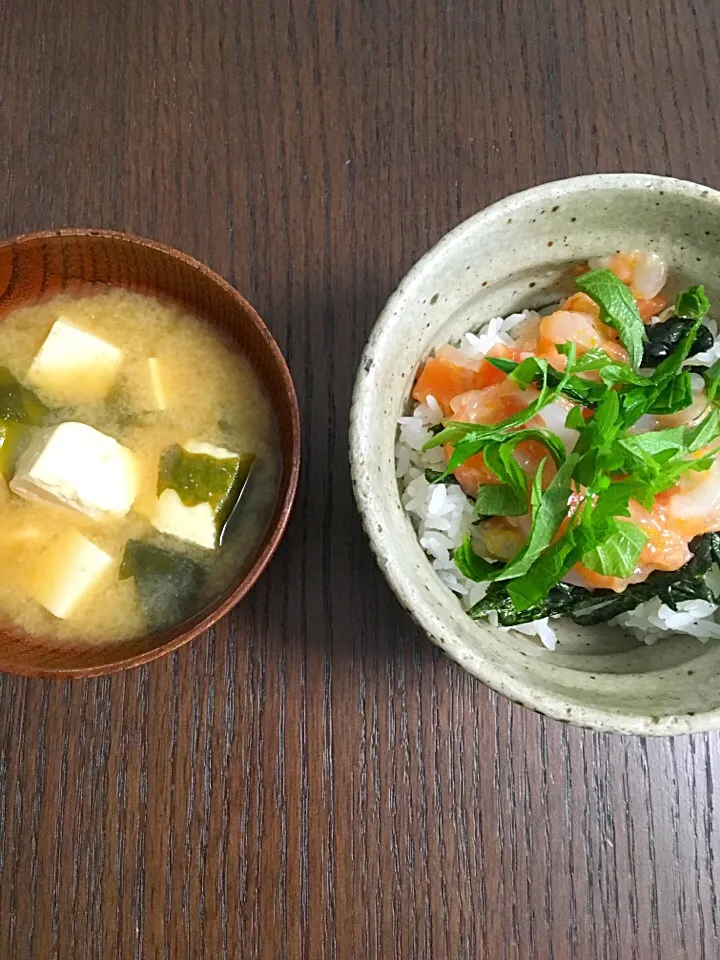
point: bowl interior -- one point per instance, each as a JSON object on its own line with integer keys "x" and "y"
{"x": 512, "y": 256}
{"x": 41, "y": 265}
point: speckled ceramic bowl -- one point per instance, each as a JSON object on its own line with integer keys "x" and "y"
{"x": 511, "y": 256}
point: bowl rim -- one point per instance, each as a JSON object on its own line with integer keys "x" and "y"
{"x": 368, "y": 499}
{"x": 285, "y": 501}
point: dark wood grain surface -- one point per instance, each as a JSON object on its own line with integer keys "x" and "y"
{"x": 313, "y": 779}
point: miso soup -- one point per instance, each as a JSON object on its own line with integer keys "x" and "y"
{"x": 139, "y": 465}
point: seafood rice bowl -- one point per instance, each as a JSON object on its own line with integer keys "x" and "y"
{"x": 564, "y": 463}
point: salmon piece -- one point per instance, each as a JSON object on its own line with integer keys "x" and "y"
{"x": 579, "y": 328}
{"x": 488, "y": 375}
{"x": 530, "y": 454}
{"x": 565, "y": 326}
{"x": 692, "y": 507}
{"x": 581, "y": 303}
{"x": 645, "y": 273}
{"x": 490, "y": 404}
{"x": 444, "y": 380}
{"x": 651, "y": 308}
{"x": 473, "y": 473}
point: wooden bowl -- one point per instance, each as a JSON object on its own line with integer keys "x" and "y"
{"x": 39, "y": 265}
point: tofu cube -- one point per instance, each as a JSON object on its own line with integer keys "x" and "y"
{"x": 74, "y": 465}
{"x": 142, "y": 388}
{"x": 65, "y": 571}
{"x": 157, "y": 391}
{"x": 198, "y": 487}
{"x": 74, "y": 366}
{"x": 194, "y": 524}
{"x": 208, "y": 450}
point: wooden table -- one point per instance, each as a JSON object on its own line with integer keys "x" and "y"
{"x": 313, "y": 779}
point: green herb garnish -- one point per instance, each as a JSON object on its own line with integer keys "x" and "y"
{"x": 574, "y": 388}
{"x": 500, "y": 500}
{"x": 617, "y": 555}
{"x": 692, "y": 303}
{"x": 712, "y": 381}
{"x": 549, "y": 509}
{"x": 617, "y": 309}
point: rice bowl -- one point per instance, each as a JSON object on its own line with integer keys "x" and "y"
{"x": 507, "y": 259}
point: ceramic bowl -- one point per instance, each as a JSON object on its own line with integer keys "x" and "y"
{"x": 42, "y": 264}
{"x": 511, "y": 256}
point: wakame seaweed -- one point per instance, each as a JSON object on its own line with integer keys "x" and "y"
{"x": 167, "y": 582}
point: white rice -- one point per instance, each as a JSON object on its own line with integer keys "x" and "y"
{"x": 442, "y": 514}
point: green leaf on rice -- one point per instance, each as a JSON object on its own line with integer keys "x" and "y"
{"x": 617, "y": 309}
{"x": 500, "y": 500}
{"x": 712, "y": 381}
{"x": 549, "y": 509}
{"x": 692, "y": 303}
{"x": 617, "y": 556}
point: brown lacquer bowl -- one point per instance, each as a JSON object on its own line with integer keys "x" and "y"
{"x": 40, "y": 265}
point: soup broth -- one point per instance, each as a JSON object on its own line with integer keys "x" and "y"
{"x": 170, "y": 384}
